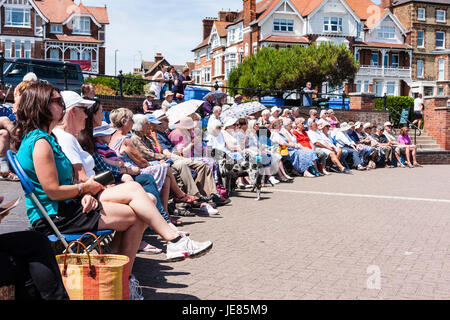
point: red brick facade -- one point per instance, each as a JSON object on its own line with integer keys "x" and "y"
{"x": 437, "y": 120}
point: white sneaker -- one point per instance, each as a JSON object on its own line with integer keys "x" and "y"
{"x": 273, "y": 180}
{"x": 186, "y": 247}
{"x": 135, "y": 289}
{"x": 207, "y": 208}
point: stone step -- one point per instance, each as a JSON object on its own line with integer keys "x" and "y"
{"x": 433, "y": 146}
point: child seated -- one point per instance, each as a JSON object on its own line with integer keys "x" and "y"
{"x": 102, "y": 137}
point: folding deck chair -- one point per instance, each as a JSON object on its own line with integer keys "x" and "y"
{"x": 28, "y": 189}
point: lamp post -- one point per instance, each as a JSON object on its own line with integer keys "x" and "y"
{"x": 115, "y": 61}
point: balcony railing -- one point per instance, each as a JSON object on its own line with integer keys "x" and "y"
{"x": 400, "y": 72}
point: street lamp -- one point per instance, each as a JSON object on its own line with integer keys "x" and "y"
{"x": 115, "y": 62}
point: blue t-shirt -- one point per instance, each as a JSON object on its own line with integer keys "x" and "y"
{"x": 63, "y": 167}
{"x": 307, "y": 98}
{"x": 164, "y": 141}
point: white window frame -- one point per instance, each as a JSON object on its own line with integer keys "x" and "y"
{"x": 208, "y": 54}
{"x": 443, "y": 40}
{"x": 330, "y": 22}
{"x": 56, "y": 28}
{"x": 27, "y": 49}
{"x": 365, "y": 87}
{"x": 420, "y": 67}
{"x": 443, "y": 15}
{"x": 215, "y": 41}
{"x": 398, "y": 60}
{"x": 423, "y": 39}
{"x": 217, "y": 66}
{"x": 378, "y": 85}
{"x": 8, "y": 48}
{"x": 280, "y": 24}
{"x": 390, "y": 85}
{"x": 207, "y": 75}
{"x": 358, "y": 85}
{"x": 423, "y": 15}
{"x": 102, "y": 37}
{"x": 79, "y": 24}
{"x": 9, "y": 14}
{"x": 230, "y": 63}
{"x": 441, "y": 69}
{"x": 17, "y": 42}
{"x": 76, "y": 52}
{"x": 386, "y": 32}
{"x": 440, "y": 91}
{"x": 54, "y": 50}
{"x": 372, "y": 61}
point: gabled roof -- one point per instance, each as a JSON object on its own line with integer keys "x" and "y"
{"x": 221, "y": 28}
{"x": 59, "y": 11}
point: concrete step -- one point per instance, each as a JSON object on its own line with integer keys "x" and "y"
{"x": 433, "y": 146}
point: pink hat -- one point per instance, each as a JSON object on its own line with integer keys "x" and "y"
{"x": 186, "y": 123}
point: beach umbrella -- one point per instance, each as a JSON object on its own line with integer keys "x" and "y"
{"x": 216, "y": 94}
{"x": 184, "y": 109}
{"x": 242, "y": 110}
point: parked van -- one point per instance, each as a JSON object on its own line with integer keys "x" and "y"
{"x": 14, "y": 72}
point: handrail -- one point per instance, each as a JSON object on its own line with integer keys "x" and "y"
{"x": 410, "y": 124}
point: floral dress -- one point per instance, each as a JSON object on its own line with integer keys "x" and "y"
{"x": 156, "y": 169}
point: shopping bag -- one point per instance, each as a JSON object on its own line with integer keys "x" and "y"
{"x": 94, "y": 276}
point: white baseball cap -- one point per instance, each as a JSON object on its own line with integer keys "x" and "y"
{"x": 367, "y": 125}
{"x": 73, "y": 99}
{"x": 387, "y": 124}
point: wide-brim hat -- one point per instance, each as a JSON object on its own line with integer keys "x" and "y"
{"x": 104, "y": 130}
{"x": 168, "y": 93}
{"x": 229, "y": 122}
{"x": 150, "y": 93}
{"x": 388, "y": 124}
{"x": 322, "y": 124}
{"x": 274, "y": 109}
{"x": 186, "y": 123}
{"x": 344, "y": 126}
{"x": 367, "y": 125}
{"x": 357, "y": 124}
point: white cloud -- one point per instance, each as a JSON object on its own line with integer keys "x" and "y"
{"x": 172, "y": 27}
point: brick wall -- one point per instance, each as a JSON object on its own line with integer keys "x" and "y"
{"x": 375, "y": 117}
{"x": 437, "y": 120}
{"x": 433, "y": 157}
{"x": 362, "y": 101}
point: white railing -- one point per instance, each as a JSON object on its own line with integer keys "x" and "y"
{"x": 401, "y": 72}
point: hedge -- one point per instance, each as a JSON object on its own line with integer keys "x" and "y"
{"x": 398, "y": 104}
{"x": 129, "y": 87}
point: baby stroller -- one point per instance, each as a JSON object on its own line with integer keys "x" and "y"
{"x": 231, "y": 168}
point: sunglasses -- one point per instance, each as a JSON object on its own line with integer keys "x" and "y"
{"x": 58, "y": 101}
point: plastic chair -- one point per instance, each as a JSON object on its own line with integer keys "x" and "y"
{"x": 28, "y": 189}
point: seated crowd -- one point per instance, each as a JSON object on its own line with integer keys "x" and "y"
{"x": 165, "y": 170}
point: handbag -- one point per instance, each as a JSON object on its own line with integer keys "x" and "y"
{"x": 94, "y": 277}
{"x": 283, "y": 150}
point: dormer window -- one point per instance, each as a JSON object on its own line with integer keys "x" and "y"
{"x": 56, "y": 28}
{"x": 332, "y": 24}
{"x": 17, "y": 17}
{"x": 82, "y": 25}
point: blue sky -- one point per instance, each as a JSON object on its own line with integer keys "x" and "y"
{"x": 172, "y": 27}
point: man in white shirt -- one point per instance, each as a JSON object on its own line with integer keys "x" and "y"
{"x": 418, "y": 110}
{"x": 348, "y": 146}
{"x": 318, "y": 135}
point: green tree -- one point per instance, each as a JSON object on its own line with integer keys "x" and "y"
{"x": 291, "y": 68}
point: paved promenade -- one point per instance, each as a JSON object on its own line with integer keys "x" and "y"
{"x": 383, "y": 234}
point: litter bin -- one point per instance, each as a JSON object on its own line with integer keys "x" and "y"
{"x": 272, "y": 101}
{"x": 191, "y": 93}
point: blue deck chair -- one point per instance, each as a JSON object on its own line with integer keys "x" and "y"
{"x": 28, "y": 189}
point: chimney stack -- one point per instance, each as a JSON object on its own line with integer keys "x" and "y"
{"x": 207, "y": 27}
{"x": 249, "y": 11}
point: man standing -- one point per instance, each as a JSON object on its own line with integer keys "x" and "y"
{"x": 307, "y": 94}
{"x": 418, "y": 110}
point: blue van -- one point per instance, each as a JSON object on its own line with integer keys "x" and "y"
{"x": 14, "y": 72}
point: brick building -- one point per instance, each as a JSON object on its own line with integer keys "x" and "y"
{"x": 62, "y": 30}
{"x": 374, "y": 34}
{"x": 428, "y": 28}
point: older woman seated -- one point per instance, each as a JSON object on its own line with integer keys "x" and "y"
{"x": 122, "y": 120}
{"x": 301, "y": 159}
{"x": 264, "y": 120}
{"x": 332, "y": 120}
{"x": 204, "y": 185}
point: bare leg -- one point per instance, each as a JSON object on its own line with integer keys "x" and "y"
{"x": 414, "y": 153}
{"x": 335, "y": 160}
{"x": 408, "y": 154}
{"x": 164, "y": 195}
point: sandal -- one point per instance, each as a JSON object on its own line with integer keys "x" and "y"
{"x": 10, "y": 177}
{"x": 175, "y": 222}
{"x": 146, "y": 248}
{"x": 417, "y": 164}
{"x": 185, "y": 198}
